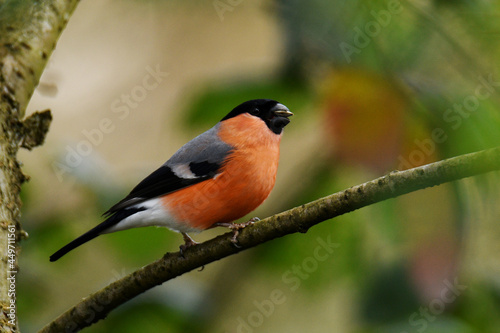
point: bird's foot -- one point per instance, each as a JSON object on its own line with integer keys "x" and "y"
{"x": 236, "y": 227}
{"x": 188, "y": 242}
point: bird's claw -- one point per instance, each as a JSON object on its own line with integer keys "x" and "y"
{"x": 188, "y": 242}
{"x": 236, "y": 227}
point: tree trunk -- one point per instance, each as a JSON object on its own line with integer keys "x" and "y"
{"x": 28, "y": 34}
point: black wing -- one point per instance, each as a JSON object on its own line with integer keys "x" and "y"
{"x": 203, "y": 156}
{"x": 164, "y": 181}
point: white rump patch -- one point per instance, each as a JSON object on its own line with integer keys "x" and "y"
{"x": 155, "y": 214}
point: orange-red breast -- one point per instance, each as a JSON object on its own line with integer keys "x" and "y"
{"x": 214, "y": 179}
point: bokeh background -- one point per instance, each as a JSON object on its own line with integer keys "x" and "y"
{"x": 375, "y": 86}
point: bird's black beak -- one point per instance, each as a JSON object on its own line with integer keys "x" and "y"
{"x": 279, "y": 118}
{"x": 281, "y": 111}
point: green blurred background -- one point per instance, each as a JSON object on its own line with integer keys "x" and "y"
{"x": 375, "y": 86}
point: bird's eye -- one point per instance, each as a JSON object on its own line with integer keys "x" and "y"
{"x": 255, "y": 112}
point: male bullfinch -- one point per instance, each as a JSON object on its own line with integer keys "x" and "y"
{"x": 213, "y": 180}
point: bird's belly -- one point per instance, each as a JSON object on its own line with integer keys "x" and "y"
{"x": 244, "y": 183}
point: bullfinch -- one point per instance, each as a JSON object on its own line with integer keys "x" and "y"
{"x": 216, "y": 178}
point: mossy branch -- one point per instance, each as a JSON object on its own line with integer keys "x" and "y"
{"x": 298, "y": 219}
{"x": 28, "y": 34}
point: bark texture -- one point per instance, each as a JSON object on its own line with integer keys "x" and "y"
{"x": 28, "y": 34}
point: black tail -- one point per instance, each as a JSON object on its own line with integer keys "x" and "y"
{"x": 89, "y": 235}
{"x": 94, "y": 232}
